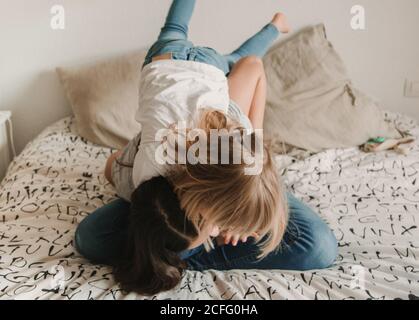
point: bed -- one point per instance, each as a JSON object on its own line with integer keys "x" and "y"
{"x": 371, "y": 201}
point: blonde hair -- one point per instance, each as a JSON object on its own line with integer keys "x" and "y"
{"x": 223, "y": 195}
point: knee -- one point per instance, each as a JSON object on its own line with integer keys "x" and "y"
{"x": 84, "y": 238}
{"x": 88, "y": 241}
{"x": 101, "y": 235}
{"x": 254, "y": 62}
{"x": 322, "y": 247}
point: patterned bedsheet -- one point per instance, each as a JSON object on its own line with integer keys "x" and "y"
{"x": 371, "y": 201}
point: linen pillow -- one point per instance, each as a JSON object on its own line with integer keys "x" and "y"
{"x": 312, "y": 103}
{"x": 104, "y": 99}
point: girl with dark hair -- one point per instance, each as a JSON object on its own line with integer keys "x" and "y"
{"x": 157, "y": 231}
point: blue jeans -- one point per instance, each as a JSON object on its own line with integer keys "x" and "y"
{"x": 308, "y": 242}
{"x": 174, "y": 39}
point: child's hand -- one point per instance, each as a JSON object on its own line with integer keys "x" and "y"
{"x": 281, "y": 22}
{"x": 233, "y": 239}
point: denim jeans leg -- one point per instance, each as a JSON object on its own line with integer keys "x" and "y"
{"x": 177, "y": 22}
{"x": 101, "y": 236}
{"x": 307, "y": 245}
{"x": 174, "y": 34}
{"x": 257, "y": 45}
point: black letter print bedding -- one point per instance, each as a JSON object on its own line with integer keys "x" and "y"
{"x": 371, "y": 201}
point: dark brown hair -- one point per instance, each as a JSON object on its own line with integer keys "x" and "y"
{"x": 158, "y": 231}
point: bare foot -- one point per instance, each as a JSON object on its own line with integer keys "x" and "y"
{"x": 281, "y": 22}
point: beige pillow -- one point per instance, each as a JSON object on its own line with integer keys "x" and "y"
{"x": 312, "y": 103}
{"x": 104, "y": 99}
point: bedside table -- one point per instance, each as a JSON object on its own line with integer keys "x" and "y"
{"x": 7, "y": 147}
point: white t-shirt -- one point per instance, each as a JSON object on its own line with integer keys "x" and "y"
{"x": 173, "y": 91}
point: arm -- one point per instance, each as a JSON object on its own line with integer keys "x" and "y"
{"x": 108, "y": 167}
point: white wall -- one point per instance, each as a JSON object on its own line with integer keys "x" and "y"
{"x": 379, "y": 59}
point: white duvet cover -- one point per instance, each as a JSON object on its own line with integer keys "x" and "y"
{"x": 371, "y": 201}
